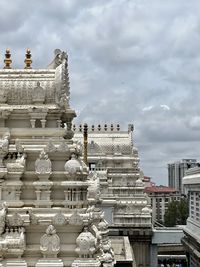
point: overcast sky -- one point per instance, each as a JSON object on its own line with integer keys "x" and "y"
{"x": 130, "y": 61}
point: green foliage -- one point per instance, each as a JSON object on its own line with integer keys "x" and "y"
{"x": 177, "y": 213}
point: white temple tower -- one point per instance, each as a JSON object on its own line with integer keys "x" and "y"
{"x": 46, "y": 218}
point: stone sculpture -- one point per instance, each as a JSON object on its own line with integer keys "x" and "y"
{"x": 86, "y": 244}
{"x": 38, "y": 94}
{"x": 43, "y": 164}
{"x": 50, "y": 243}
{"x": 3, "y": 212}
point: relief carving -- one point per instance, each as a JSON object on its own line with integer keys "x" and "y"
{"x": 43, "y": 164}
{"x": 3, "y": 212}
{"x": 38, "y": 94}
{"x": 50, "y": 243}
{"x": 86, "y": 244}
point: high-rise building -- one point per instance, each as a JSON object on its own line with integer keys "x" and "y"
{"x": 176, "y": 172}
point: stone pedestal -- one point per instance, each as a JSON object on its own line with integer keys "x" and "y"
{"x": 49, "y": 262}
{"x": 86, "y": 263}
{"x": 16, "y": 263}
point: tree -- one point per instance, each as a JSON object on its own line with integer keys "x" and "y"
{"x": 177, "y": 212}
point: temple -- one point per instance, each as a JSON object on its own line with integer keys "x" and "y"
{"x": 50, "y": 211}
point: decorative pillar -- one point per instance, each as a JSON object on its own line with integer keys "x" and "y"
{"x": 85, "y": 137}
{"x": 43, "y": 122}
{"x": 32, "y": 123}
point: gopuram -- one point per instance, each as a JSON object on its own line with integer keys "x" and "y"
{"x": 47, "y": 216}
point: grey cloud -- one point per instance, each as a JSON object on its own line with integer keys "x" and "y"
{"x": 123, "y": 56}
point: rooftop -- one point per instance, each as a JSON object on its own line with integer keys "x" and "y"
{"x": 158, "y": 189}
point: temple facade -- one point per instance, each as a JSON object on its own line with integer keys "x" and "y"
{"x": 50, "y": 210}
{"x": 114, "y": 167}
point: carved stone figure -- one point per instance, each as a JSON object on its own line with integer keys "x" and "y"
{"x": 58, "y": 59}
{"x": 50, "y": 243}
{"x": 4, "y": 144}
{"x": 3, "y": 96}
{"x": 38, "y": 94}
{"x": 94, "y": 187}
{"x": 107, "y": 256}
{"x": 3, "y": 212}
{"x": 43, "y": 164}
{"x": 86, "y": 243}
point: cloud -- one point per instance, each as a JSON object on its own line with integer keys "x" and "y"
{"x": 129, "y": 61}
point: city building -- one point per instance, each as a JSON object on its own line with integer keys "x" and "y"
{"x": 160, "y": 198}
{"x": 191, "y": 240}
{"x": 176, "y": 172}
{"x": 147, "y": 182}
{"x": 48, "y": 211}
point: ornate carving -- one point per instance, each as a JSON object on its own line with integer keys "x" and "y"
{"x": 75, "y": 219}
{"x": 86, "y": 244}
{"x": 18, "y": 165}
{"x": 19, "y": 146}
{"x": 60, "y": 56}
{"x": 43, "y": 164}
{"x": 33, "y": 218}
{"x": 15, "y": 220}
{"x": 50, "y": 147}
{"x": 38, "y": 94}
{"x": 59, "y": 219}
{"x": 50, "y": 243}
{"x": 3, "y": 212}
{"x": 73, "y": 165}
{"x": 107, "y": 256}
{"x": 94, "y": 187}
{"x": 63, "y": 147}
{"x": 3, "y": 96}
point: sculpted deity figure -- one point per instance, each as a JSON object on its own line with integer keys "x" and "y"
{"x": 43, "y": 164}
{"x": 50, "y": 242}
{"x": 3, "y": 212}
{"x": 38, "y": 94}
{"x": 60, "y": 56}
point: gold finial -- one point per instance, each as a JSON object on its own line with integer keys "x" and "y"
{"x": 85, "y": 137}
{"x": 7, "y": 59}
{"x": 28, "y": 61}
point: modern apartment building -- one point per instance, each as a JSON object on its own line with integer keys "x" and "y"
{"x": 176, "y": 172}
{"x": 160, "y": 198}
